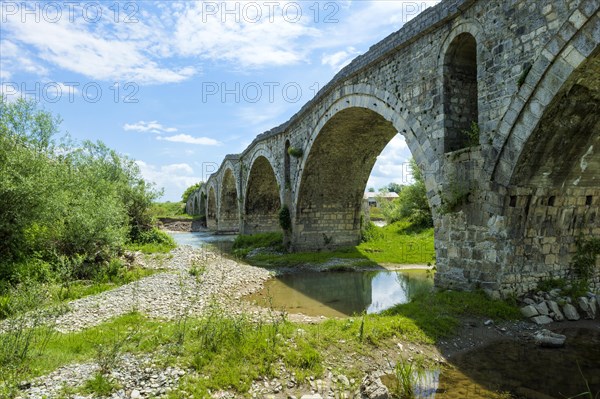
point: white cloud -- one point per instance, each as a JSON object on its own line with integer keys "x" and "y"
{"x": 186, "y": 138}
{"x": 104, "y": 50}
{"x": 392, "y": 164}
{"x": 174, "y": 178}
{"x": 339, "y": 59}
{"x": 275, "y": 38}
{"x": 152, "y": 127}
{"x": 17, "y": 59}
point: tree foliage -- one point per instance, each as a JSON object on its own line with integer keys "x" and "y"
{"x": 411, "y": 204}
{"x": 191, "y": 190}
{"x": 62, "y": 203}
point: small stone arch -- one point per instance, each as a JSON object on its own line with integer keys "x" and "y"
{"x": 262, "y": 198}
{"x": 211, "y": 208}
{"x": 229, "y": 208}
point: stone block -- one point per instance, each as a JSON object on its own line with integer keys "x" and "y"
{"x": 541, "y": 320}
{"x": 570, "y": 312}
{"x": 529, "y": 311}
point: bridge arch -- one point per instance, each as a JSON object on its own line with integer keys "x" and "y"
{"x": 337, "y": 162}
{"x": 262, "y": 198}
{"x": 211, "y": 208}
{"x": 202, "y": 210}
{"x": 548, "y": 74}
{"x": 229, "y": 207}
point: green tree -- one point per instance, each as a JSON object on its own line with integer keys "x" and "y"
{"x": 412, "y": 203}
{"x": 191, "y": 190}
{"x": 394, "y": 188}
{"x": 68, "y": 203}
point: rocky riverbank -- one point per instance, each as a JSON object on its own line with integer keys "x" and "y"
{"x": 188, "y": 281}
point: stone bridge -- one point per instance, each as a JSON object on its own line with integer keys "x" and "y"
{"x": 507, "y": 209}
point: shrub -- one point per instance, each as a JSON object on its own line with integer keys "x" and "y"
{"x": 370, "y": 232}
{"x": 285, "y": 218}
{"x": 295, "y": 152}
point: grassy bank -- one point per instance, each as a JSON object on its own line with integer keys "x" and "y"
{"x": 397, "y": 243}
{"x": 233, "y": 350}
{"x": 174, "y": 210}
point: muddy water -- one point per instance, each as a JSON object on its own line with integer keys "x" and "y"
{"x": 509, "y": 369}
{"x": 340, "y": 294}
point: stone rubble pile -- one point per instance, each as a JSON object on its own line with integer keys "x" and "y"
{"x": 546, "y": 307}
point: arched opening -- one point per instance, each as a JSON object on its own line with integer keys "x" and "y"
{"x": 286, "y": 166}
{"x": 330, "y": 197}
{"x": 229, "y": 216}
{"x": 554, "y": 193}
{"x": 460, "y": 92}
{"x": 211, "y": 210}
{"x": 202, "y": 211}
{"x": 196, "y": 205}
{"x": 262, "y": 199}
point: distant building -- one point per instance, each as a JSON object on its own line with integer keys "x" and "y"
{"x": 372, "y": 198}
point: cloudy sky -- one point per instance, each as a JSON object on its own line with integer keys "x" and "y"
{"x": 178, "y": 85}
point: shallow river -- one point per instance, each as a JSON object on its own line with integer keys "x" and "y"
{"x": 524, "y": 370}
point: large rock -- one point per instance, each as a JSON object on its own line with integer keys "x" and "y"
{"x": 549, "y": 339}
{"x": 554, "y": 308}
{"x": 542, "y": 308}
{"x": 570, "y": 312}
{"x": 541, "y": 319}
{"x": 529, "y": 311}
{"x": 594, "y": 305}
{"x": 373, "y": 388}
{"x": 587, "y": 306}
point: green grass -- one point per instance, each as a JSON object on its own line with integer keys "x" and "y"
{"x": 99, "y": 385}
{"x": 26, "y": 297}
{"x": 152, "y": 241}
{"x": 375, "y": 213}
{"x": 175, "y": 210}
{"x": 79, "y": 289}
{"x": 397, "y": 243}
{"x": 151, "y": 248}
{"x": 243, "y": 244}
{"x": 232, "y": 351}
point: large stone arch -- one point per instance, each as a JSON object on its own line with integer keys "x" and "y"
{"x": 576, "y": 40}
{"x": 229, "y": 208}
{"x": 262, "y": 198}
{"x": 337, "y": 162}
{"x": 553, "y": 197}
{"x": 211, "y": 208}
{"x": 389, "y": 107}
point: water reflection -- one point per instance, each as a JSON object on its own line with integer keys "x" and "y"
{"x": 339, "y": 294}
{"x": 201, "y": 238}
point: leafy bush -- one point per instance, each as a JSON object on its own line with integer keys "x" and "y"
{"x": 285, "y": 218}
{"x": 68, "y": 203}
{"x": 243, "y": 244}
{"x": 371, "y": 232}
{"x": 412, "y": 203}
{"x": 295, "y": 152}
{"x": 191, "y": 190}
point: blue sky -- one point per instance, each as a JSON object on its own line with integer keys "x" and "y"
{"x": 178, "y": 85}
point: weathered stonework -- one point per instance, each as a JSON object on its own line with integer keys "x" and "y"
{"x": 527, "y": 72}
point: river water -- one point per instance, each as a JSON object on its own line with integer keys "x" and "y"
{"x": 501, "y": 370}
